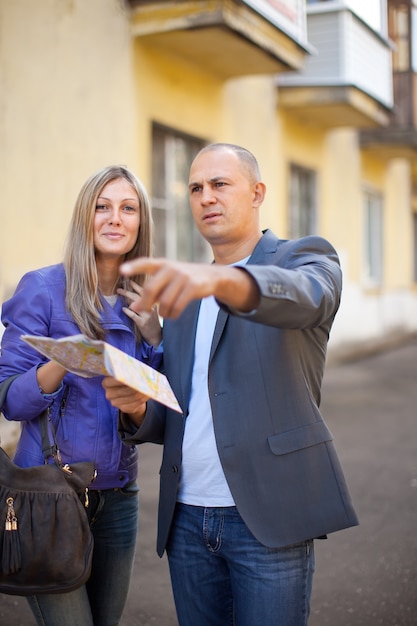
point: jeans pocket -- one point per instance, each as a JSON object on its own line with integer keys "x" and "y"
{"x": 130, "y": 489}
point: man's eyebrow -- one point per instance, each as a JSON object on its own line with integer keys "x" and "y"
{"x": 215, "y": 179}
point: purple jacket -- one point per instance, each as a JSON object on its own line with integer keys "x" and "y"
{"x": 87, "y": 426}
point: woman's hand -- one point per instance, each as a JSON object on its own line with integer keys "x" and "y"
{"x": 50, "y": 376}
{"x": 125, "y": 399}
{"x": 147, "y": 321}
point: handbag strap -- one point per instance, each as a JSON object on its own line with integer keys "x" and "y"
{"x": 48, "y": 449}
{"x": 4, "y": 387}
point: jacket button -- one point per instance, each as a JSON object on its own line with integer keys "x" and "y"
{"x": 277, "y": 289}
{"x": 174, "y": 469}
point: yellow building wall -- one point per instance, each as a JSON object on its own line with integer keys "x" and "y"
{"x": 392, "y": 180}
{"x": 80, "y": 94}
{"x": 175, "y": 93}
{"x": 398, "y": 265}
{"x": 250, "y": 120}
{"x": 342, "y": 198}
{"x": 303, "y": 144}
{"x": 185, "y": 97}
{"x": 67, "y": 109}
{"x": 77, "y": 92}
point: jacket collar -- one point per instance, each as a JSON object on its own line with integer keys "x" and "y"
{"x": 114, "y": 317}
{"x": 267, "y": 244}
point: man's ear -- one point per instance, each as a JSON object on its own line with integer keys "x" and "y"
{"x": 259, "y": 191}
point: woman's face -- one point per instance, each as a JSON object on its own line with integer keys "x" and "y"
{"x": 116, "y": 220}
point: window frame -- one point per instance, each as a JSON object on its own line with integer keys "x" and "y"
{"x": 302, "y": 201}
{"x": 373, "y": 240}
{"x": 176, "y": 236}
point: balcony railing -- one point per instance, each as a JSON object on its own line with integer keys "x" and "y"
{"x": 349, "y": 54}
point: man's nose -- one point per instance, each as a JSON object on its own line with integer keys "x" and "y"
{"x": 207, "y": 195}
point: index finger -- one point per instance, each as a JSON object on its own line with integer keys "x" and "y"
{"x": 143, "y": 265}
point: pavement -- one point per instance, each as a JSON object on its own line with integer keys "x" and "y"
{"x": 365, "y": 576}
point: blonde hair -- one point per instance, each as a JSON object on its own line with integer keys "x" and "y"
{"x": 83, "y": 299}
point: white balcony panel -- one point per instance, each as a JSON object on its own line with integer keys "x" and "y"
{"x": 349, "y": 53}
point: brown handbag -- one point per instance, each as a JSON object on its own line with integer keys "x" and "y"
{"x": 45, "y": 538}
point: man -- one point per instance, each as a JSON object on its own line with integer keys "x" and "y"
{"x": 249, "y": 476}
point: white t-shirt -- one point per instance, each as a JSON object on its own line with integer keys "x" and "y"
{"x": 111, "y": 299}
{"x": 202, "y": 480}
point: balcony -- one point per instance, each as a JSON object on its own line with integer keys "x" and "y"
{"x": 348, "y": 82}
{"x": 229, "y": 38}
{"x": 399, "y": 139}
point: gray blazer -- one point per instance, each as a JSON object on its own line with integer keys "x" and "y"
{"x": 265, "y": 374}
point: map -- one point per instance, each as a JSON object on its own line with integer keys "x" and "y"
{"x": 88, "y": 357}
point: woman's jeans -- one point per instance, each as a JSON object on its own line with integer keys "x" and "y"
{"x": 113, "y": 515}
{"x": 222, "y": 576}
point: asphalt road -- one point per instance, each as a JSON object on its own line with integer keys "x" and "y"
{"x": 365, "y": 576}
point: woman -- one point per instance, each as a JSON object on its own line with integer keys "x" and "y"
{"x": 111, "y": 223}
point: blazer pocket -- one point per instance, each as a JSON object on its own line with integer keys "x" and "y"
{"x": 299, "y": 438}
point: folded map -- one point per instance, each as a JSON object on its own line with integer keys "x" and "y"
{"x": 89, "y": 357}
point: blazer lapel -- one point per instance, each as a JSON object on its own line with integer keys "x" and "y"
{"x": 267, "y": 245}
{"x": 185, "y": 347}
{"x": 222, "y": 318}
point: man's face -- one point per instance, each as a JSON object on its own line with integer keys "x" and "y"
{"x": 223, "y": 198}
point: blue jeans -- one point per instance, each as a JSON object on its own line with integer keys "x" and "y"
{"x": 222, "y": 576}
{"x": 113, "y": 515}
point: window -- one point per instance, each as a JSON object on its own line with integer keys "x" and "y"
{"x": 302, "y": 202}
{"x": 175, "y": 234}
{"x": 373, "y": 239}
